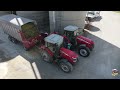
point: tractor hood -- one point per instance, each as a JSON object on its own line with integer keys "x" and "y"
{"x": 68, "y": 52}
{"x": 85, "y": 39}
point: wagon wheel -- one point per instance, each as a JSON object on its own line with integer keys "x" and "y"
{"x": 12, "y": 39}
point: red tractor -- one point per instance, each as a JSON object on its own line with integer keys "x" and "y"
{"x": 74, "y": 40}
{"x": 53, "y": 51}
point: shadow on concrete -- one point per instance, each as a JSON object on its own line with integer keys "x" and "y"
{"x": 92, "y": 28}
{"x": 3, "y": 56}
{"x": 98, "y": 65}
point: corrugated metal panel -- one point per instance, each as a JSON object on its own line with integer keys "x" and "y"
{"x": 16, "y": 20}
{"x": 4, "y": 13}
{"x": 41, "y": 17}
{"x": 13, "y": 28}
{"x": 10, "y": 30}
{"x": 65, "y": 18}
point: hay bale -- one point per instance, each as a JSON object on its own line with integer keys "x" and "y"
{"x": 30, "y": 30}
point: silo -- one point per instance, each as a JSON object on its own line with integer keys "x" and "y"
{"x": 60, "y": 19}
{"x": 41, "y": 17}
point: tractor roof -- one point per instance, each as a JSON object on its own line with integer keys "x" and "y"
{"x": 54, "y": 38}
{"x": 71, "y": 28}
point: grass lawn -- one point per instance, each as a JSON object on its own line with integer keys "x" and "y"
{"x": 117, "y": 11}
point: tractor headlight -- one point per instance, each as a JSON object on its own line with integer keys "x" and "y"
{"x": 74, "y": 59}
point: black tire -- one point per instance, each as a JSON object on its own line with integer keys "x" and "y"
{"x": 14, "y": 40}
{"x": 84, "y": 51}
{"x": 65, "y": 66}
{"x": 10, "y": 38}
{"x": 26, "y": 49}
{"x": 46, "y": 57}
{"x": 89, "y": 19}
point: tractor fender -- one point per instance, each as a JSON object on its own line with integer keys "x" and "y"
{"x": 63, "y": 60}
{"x": 82, "y": 45}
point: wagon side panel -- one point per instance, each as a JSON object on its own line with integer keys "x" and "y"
{"x": 11, "y": 30}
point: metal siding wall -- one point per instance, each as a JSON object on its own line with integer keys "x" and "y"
{"x": 41, "y": 17}
{"x": 10, "y": 29}
{"x": 51, "y": 21}
{"x": 64, "y": 18}
{"x": 4, "y": 12}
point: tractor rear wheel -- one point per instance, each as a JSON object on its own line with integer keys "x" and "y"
{"x": 65, "y": 66}
{"x": 84, "y": 51}
{"x": 45, "y": 56}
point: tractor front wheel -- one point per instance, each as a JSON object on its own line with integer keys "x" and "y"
{"x": 65, "y": 66}
{"x": 84, "y": 51}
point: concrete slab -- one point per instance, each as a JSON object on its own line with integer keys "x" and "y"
{"x": 99, "y": 65}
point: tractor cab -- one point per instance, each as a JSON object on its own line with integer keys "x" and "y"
{"x": 73, "y": 35}
{"x": 71, "y": 32}
{"x": 53, "y": 51}
{"x": 54, "y": 42}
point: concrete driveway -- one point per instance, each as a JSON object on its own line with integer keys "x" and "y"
{"x": 20, "y": 64}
